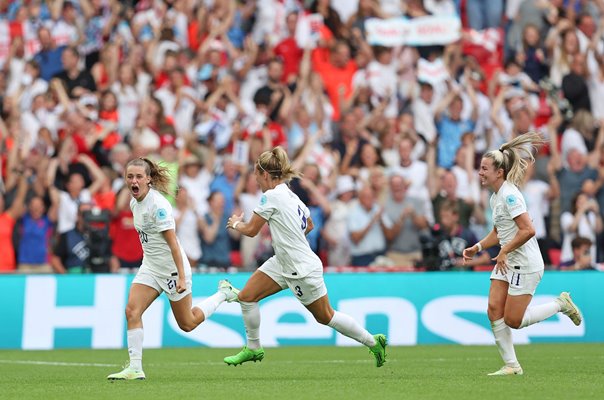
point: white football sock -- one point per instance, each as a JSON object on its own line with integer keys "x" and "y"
{"x": 251, "y": 320}
{"x": 503, "y": 339}
{"x": 135, "y": 348}
{"x": 535, "y": 314}
{"x": 347, "y": 326}
{"x": 209, "y": 305}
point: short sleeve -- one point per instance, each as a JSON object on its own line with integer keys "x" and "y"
{"x": 267, "y": 207}
{"x": 163, "y": 216}
{"x": 514, "y": 204}
{"x": 355, "y": 221}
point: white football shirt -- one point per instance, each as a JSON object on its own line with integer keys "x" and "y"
{"x": 287, "y": 218}
{"x": 507, "y": 204}
{"x": 152, "y": 216}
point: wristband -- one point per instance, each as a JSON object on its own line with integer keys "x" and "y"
{"x": 235, "y": 225}
{"x": 479, "y": 247}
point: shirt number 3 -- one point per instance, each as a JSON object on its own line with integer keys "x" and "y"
{"x": 301, "y": 214}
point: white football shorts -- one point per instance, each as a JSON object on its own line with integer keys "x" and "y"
{"x": 519, "y": 283}
{"x": 307, "y": 290}
{"x": 163, "y": 283}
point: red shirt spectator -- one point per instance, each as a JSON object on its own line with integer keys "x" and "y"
{"x": 336, "y": 69}
{"x": 289, "y": 51}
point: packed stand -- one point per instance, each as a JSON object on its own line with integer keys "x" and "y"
{"x": 387, "y": 127}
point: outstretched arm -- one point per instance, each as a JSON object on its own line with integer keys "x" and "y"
{"x": 250, "y": 229}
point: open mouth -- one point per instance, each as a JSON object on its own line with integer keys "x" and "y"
{"x": 135, "y": 190}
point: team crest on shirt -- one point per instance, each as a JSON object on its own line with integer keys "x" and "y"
{"x": 161, "y": 214}
{"x": 263, "y": 200}
{"x": 511, "y": 200}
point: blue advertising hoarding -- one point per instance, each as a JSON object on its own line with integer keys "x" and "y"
{"x": 87, "y": 311}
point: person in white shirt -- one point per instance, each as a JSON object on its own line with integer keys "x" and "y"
{"x": 165, "y": 265}
{"x": 519, "y": 265}
{"x": 294, "y": 264}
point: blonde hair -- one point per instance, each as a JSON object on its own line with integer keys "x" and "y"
{"x": 515, "y": 156}
{"x": 277, "y": 164}
{"x": 160, "y": 176}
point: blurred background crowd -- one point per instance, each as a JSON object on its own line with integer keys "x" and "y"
{"x": 387, "y": 129}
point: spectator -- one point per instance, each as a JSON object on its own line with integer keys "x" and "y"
{"x": 451, "y": 126}
{"x": 311, "y": 192}
{"x": 409, "y": 220}
{"x": 366, "y": 226}
{"x": 187, "y": 221}
{"x": 75, "y": 192}
{"x": 423, "y": 110}
{"x": 574, "y": 84}
{"x": 349, "y": 143}
{"x": 196, "y": 178}
{"x": 128, "y": 100}
{"x": 336, "y": 233}
{"x": 573, "y": 177}
{"x": 179, "y": 101}
{"x": 226, "y": 183}
{"x": 100, "y": 20}
{"x": 539, "y": 195}
{"x": 65, "y": 25}
{"x": 34, "y": 235}
{"x": 31, "y": 85}
{"x": 50, "y": 55}
{"x": 126, "y": 249}
{"x": 288, "y": 51}
{"x": 531, "y": 55}
{"x": 442, "y": 185}
{"x": 565, "y": 48}
{"x": 583, "y": 220}
{"x": 249, "y": 195}
{"x": 336, "y": 69}
{"x": 9, "y": 217}
{"x": 451, "y": 238}
{"x": 484, "y": 14}
{"x": 77, "y": 81}
{"x": 582, "y": 256}
{"x": 414, "y": 171}
{"x": 215, "y": 240}
{"x": 104, "y": 71}
{"x": 72, "y": 250}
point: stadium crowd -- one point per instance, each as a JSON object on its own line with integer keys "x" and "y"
{"x": 388, "y": 133}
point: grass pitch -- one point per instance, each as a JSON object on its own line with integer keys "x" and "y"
{"x": 552, "y": 371}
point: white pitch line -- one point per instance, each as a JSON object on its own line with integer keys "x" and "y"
{"x": 190, "y": 363}
{"x": 57, "y": 363}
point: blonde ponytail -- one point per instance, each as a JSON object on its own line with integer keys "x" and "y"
{"x": 277, "y": 164}
{"x": 515, "y": 156}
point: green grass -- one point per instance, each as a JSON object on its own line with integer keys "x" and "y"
{"x": 552, "y": 371}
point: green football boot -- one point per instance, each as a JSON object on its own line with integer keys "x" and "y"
{"x": 245, "y": 355}
{"x": 379, "y": 350}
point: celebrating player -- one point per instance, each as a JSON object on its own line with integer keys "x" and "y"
{"x": 294, "y": 264}
{"x": 165, "y": 266}
{"x": 519, "y": 265}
